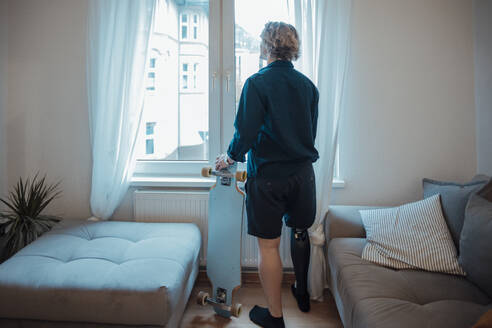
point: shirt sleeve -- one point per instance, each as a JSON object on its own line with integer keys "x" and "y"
{"x": 315, "y": 112}
{"x": 249, "y": 119}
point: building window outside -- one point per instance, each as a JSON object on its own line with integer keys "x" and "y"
{"x": 151, "y": 81}
{"x": 149, "y": 146}
{"x": 195, "y": 27}
{"x": 184, "y": 26}
{"x": 184, "y": 75}
{"x": 195, "y": 73}
{"x": 149, "y": 128}
{"x": 151, "y": 74}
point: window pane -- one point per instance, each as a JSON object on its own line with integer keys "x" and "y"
{"x": 249, "y": 23}
{"x": 180, "y": 115}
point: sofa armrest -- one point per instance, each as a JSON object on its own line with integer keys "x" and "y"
{"x": 344, "y": 221}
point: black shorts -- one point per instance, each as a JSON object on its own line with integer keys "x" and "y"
{"x": 268, "y": 200}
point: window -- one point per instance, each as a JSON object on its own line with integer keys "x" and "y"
{"x": 176, "y": 118}
{"x": 184, "y": 26}
{"x": 149, "y": 146}
{"x": 202, "y": 53}
{"x": 195, "y": 27}
{"x": 195, "y": 70}
{"x": 150, "y": 128}
{"x": 249, "y": 24}
{"x": 151, "y": 73}
{"x": 151, "y": 81}
{"x": 184, "y": 74}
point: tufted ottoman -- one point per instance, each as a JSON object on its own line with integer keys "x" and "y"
{"x": 84, "y": 274}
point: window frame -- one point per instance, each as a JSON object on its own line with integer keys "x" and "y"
{"x": 222, "y": 102}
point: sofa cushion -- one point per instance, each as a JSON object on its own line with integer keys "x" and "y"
{"x": 103, "y": 272}
{"x": 454, "y": 197}
{"x": 369, "y": 295}
{"x": 411, "y": 236}
{"x": 476, "y": 240}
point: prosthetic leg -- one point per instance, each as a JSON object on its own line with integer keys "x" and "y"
{"x": 300, "y": 250}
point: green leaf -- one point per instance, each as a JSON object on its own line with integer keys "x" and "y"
{"x": 23, "y": 221}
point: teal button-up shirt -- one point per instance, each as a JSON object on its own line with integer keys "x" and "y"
{"x": 276, "y": 121}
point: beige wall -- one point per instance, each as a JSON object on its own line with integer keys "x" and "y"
{"x": 410, "y": 112}
{"x": 3, "y": 92}
{"x": 410, "y": 109}
{"x": 47, "y": 107}
{"x": 483, "y": 83}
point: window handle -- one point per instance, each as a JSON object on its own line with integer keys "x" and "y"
{"x": 214, "y": 76}
{"x": 228, "y": 78}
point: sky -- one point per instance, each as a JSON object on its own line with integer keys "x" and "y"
{"x": 253, "y": 14}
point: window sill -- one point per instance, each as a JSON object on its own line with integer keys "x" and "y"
{"x": 191, "y": 182}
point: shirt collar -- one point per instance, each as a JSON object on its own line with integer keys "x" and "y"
{"x": 280, "y": 63}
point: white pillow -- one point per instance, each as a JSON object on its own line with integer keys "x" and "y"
{"x": 411, "y": 236}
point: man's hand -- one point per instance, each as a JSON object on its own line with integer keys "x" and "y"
{"x": 223, "y": 161}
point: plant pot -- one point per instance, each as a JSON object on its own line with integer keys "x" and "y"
{"x": 2, "y": 248}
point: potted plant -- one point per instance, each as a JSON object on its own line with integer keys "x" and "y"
{"x": 23, "y": 221}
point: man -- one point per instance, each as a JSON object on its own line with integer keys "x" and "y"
{"x": 276, "y": 125}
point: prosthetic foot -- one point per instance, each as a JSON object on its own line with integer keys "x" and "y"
{"x": 300, "y": 250}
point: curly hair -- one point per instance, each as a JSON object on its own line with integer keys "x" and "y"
{"x": 280, "y": 41}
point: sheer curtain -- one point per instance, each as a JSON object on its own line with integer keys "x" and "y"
{"x": 324, "y": 29}
{"x": 118, "y": 40}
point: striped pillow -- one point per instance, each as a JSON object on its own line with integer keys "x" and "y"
{"x": 411, "y": 236}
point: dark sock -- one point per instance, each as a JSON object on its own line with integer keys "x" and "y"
{"x": 262, "y": 317}
{"x": 302, "y": 299}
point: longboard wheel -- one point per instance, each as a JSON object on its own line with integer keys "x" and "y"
{"x": 206, "y": 172}
{"x": 201, "y": 298}
{"x": 241, "y": 176}
{"x": 236, "y": 310}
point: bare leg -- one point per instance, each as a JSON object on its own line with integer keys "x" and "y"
{"x": 271, "y": 274}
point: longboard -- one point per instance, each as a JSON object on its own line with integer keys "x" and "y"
{"x": 225, "y": 219}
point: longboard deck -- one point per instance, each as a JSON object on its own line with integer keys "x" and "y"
{"x": 226, "y": 208}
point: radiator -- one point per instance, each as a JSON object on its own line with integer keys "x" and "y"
{"x": 180, "y": 206}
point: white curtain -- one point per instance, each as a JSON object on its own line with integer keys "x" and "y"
{"x": 118, "y": 41}
{"x": 324, "y": 29}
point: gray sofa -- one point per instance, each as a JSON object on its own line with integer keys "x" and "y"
{"x": 368, "y": 295}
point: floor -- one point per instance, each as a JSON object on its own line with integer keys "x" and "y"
{"x": 323, "y": 314}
